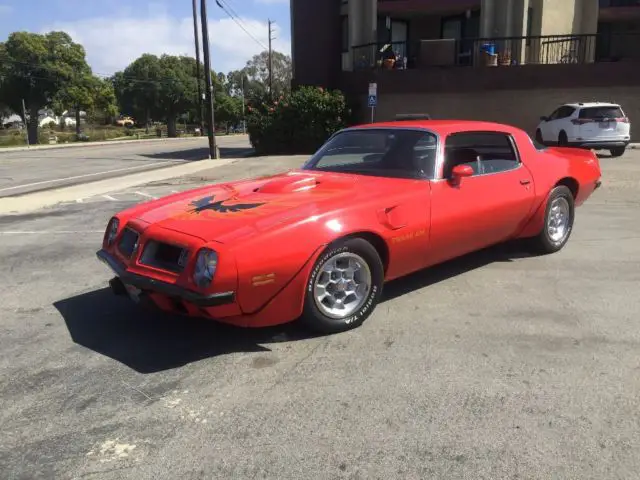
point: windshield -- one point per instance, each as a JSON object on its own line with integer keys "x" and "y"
{"x": 384, "y": 152}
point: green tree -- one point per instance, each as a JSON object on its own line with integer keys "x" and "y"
{"x": 257, "y": 70}
{"x": 239, "y": 84}
{"x": 228, "y": 110}
{"x": 35, "y": 68}
{"x": 160, "y": 88}
{"x": 105, "y": 103}
{"x": 137, "y": 89}
{"x": 178, "y": 88}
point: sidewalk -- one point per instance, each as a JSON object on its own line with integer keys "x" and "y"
{"x": 131, "y": 141}
{"x": 30, "y": 202}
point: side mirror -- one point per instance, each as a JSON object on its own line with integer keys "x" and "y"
{"x": 544, "y": 118}
{"x": 459, "y": 172}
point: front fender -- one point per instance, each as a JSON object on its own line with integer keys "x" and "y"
{"x": 268, "y": 262}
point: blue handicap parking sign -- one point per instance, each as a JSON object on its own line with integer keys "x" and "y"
{"x": 373, "y": 100}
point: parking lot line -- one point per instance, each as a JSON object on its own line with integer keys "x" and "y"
{"x": 54, "y": 180}
{"x": 142, "y": 194}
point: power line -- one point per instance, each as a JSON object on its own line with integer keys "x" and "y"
{"x": 235, "y": 18}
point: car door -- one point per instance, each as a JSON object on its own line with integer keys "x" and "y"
{"x": 487, "y": 208}
{"x": 546, "y": 126}
{"x": 557, "y": 122}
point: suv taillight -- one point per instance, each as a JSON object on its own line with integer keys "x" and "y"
{"x": 622, "y": 120}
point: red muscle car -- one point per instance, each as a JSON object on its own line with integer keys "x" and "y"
{"x": 374, "y": 203}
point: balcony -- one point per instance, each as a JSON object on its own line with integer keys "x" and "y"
{"x": 501, "y": 51}
{"x": 619, "y": 3}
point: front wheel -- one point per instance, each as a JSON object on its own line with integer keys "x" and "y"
{"x": 617, "y": 151}
{"x": 563, "y": 141}
{"x": 558, "y": 221}
{"x": 344, "y": 287}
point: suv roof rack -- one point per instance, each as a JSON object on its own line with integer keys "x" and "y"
{"x": 413, "y": 116}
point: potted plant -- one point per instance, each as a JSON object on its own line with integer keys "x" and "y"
{"x": 504, "y": 58}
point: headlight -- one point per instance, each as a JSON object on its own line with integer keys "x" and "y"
{"x": 112, "y": 231}
{"x": 206, "y": 264}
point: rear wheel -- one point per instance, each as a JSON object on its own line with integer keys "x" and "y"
{"x": 563, "y": 141}
{"x": 344, "y": 287}
{"x": 617, "y": 151}
{"x": 558, "y": 221}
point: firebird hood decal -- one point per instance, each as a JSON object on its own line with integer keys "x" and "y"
{"x": 220, "y": 206}
{"x": 229, "y": 213}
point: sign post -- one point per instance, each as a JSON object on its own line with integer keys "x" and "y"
{"x": 373, "y": 99}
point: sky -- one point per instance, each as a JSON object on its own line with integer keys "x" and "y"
{"x": 116, "y": 32}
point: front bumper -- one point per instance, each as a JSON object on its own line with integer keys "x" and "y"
{"x": 149, "y": 284}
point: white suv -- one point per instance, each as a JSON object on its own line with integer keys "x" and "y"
{"x": 601, "y": 126}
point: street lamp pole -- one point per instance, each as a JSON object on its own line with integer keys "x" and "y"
{"x": 213, "y": 150}
{"x": 198, "y": 76}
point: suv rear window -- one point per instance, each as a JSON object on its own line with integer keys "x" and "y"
{"x": 601, "y": 112}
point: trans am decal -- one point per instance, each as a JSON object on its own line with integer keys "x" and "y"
{"x": 207, "y": 204}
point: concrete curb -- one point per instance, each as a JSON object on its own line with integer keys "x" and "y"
{"x": 30, "y": 202}
{"x": 634, "y": 146}
{"x": 103, "y": 143}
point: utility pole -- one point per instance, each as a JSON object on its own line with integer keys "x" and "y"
{"x": 213, "y": 150}
{"x": 26, "y": 122}
{"x": 270, "y": 60}
{"x": 198, "y": 76}
{"x": 244, "y": 121}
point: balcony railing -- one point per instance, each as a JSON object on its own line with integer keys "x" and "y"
{"x": 619, "y": 3}
{"x": 502, "y": 51}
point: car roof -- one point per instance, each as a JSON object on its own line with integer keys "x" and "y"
{"x": 445, "y": 127}
{"x": 590, "y": 104}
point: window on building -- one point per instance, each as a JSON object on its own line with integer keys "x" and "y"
{"x": 344, "y": 31}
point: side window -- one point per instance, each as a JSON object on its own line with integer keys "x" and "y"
{"x": 555, "y": 115}
{"x": 485, "y": 152}
{"x": 424, "y": 155}
{"x": 566, "y": 112}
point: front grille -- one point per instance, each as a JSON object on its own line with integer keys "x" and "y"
{"x": 128, "y": 242}
{"x": 164, "y": 256}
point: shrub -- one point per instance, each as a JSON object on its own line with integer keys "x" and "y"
{"x": 297, "y": 123}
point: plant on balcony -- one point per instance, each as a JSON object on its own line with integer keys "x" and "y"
{"x": 299, "y": 122}
{"x": 504, "y": 58}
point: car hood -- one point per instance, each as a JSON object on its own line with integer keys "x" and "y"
{"x": 229, "y": 212}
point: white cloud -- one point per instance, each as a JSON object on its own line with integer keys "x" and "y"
{"x": 5, "y": 9}
{"x": 112, "y": 43}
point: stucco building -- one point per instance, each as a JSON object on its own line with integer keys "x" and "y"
{"x": 434, "y": 56}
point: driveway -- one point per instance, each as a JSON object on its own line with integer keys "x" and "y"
{"x": 497, "y": 365}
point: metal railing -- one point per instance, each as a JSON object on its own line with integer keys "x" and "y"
{"x": 619, "y": 3}
{"x": 391, "y": 55}
{"x": 499, "y": 51}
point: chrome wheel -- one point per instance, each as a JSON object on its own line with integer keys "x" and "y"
{"x": 342, "y": 285}
{"x": 558, "y": 221}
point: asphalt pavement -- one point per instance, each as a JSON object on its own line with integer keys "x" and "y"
{"x": 43, "y": 169}
{"x": 494, "y": 366}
